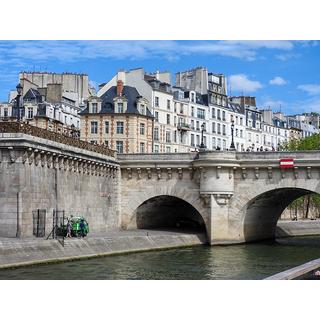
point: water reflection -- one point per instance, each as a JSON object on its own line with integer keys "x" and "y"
{"x": 248, "y": 261}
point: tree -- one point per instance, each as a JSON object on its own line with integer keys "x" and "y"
{"x": 312, "y": 200}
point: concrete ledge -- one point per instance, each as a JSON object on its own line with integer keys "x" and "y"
{"x": 22, "y": 253}
{"x": 296, "y": 271}
{"x": 297, "y": 228}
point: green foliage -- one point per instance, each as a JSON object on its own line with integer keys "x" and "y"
{"x": 309, "y": 143}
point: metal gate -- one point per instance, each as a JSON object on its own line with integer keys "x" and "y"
{"x": 58, "y": 226}
{"x": 39, "y": 222}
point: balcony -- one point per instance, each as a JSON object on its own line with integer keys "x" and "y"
{"x": 183, "y": 127}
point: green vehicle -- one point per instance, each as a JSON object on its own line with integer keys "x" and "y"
{"x": 79, "y": 227}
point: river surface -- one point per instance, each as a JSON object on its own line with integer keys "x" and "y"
{"x": 247, "y": 261}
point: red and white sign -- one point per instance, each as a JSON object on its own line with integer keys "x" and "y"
{"x": 286, "y": 163}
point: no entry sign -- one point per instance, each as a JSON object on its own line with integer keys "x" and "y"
{"x": 286, "y": 163}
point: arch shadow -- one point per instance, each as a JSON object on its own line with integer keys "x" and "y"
{"x": 261, "y": 214}
{"x": 167, "y": 212}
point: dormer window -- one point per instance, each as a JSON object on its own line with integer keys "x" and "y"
{"x": 120, "y": 107}
{"x": 143, "y": 109}
{"x": 94, "y": 107}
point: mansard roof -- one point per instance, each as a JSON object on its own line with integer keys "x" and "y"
{"x": 236, "y": 107}
{"x": 32, "y": 94}
{"x": 129, "y": 93}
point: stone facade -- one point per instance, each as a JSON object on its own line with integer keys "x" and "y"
{"x": 43, "y": 174}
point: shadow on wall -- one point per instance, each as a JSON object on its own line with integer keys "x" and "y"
{"x": 262, "y": 212}
{"x": 167, "y": 212}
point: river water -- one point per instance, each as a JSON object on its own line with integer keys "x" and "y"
{"x": 246, "y": 261}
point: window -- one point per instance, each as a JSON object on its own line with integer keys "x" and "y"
{"x": 93, "y": 141}
{"x": 156, "y": 134}
{"x": 30, "y": 113}
{"x": 219, "y": 128}
{"x": 168, "y": 104}
{"x": 223, "y": 115}
{"x": 213, "y": 143}
{"x": 249, "y": 137}
{"x": 106, "y": 143}
{"x": 192, "y": 124}
{"x": 119, "y": 127}
{"x": 200, "y": 113}
{"x": 181, "y": 108}
{"x": 192, "y": 140}
{"x": 142, "y": 149}
{"x": 168, "y": 118}
{"x": 156, "y": 148}
{"x": 106, "y": 126}
{"x": 156, "y": 115}
{"x": 175, "y": 136}
{"x": 241, "y": 133}
{"x": 257, "y": 138}
{"x": 213, "y": 111}
{"x": 219, "y": 143}
{"x": 120, "y": 107}
{"x": 142, "y": 128}
{"x": 5, "y": 112}
{"x": 193, "y": 99}
{"x": 119, "y": 145}
{"x": 143, "y": 109}
{"x": 168, "y": 136}
{"x": 237, "y": 132}
{"x": 156, "y": 101}
{"x": 205, "y": 140}
{"x": 198, "y": 140}
{"x": 192, "y": 111}
{"x": 168, "y": 149}
{"x": 241, "y": 121}
{"x": 198, "y": 125}
{"x": 94, "y": 127}
{"x": 219, "y": 114}
{"x": 224, "y": 129}
{"x": 213, "y": 127}
{"x": 94, "y": 107}
{"x": 224, "y": 144}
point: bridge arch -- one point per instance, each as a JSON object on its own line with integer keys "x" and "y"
{"x": 174, "y": 203}
{"x": 261, "y": 213}
{"x": 165, "y": 211}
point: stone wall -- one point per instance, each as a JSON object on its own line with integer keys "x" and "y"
{"x": 40, "y": 174}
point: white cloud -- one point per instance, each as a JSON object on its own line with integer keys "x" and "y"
{"x": 78, "y": 50}
{"x": 287, "y": 56}
{"x": 241, "y": 83}
{"x": 311, "y": 89}
{"x": 277, "y": 81}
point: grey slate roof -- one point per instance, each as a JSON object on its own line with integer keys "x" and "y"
{"x": 130, "y": 93}
{"x": 235, "y": 107}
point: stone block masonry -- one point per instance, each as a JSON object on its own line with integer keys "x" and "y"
{"x": 38, "y": 173}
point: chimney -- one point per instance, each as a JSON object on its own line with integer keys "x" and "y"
{"x": 119, "y": 87}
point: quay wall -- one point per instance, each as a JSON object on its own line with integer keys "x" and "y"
{"x": 28, "y": 252}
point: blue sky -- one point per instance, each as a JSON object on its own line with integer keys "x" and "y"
{"x": 285, "y": 73}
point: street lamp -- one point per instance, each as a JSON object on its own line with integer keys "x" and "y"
{"x": 19, "y": 91}
{"x": 202, "y": 146}
{"x": 232, "y": 147}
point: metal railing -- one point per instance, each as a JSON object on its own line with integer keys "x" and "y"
{"x": 20, "y": 127}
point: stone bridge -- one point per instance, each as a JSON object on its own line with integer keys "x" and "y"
{"x": 234, "y": 197}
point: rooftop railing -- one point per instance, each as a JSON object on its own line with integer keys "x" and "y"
{"x": 20, "y": 127}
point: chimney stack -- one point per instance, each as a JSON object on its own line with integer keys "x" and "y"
{"x": 119, "y": 87}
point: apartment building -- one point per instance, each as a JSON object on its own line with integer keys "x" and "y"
{"x": 120, "y": 119}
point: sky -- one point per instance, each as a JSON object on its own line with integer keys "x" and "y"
{"x": 283, "y": 75}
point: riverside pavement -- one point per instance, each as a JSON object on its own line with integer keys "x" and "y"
{"x": 16, "y": 252}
